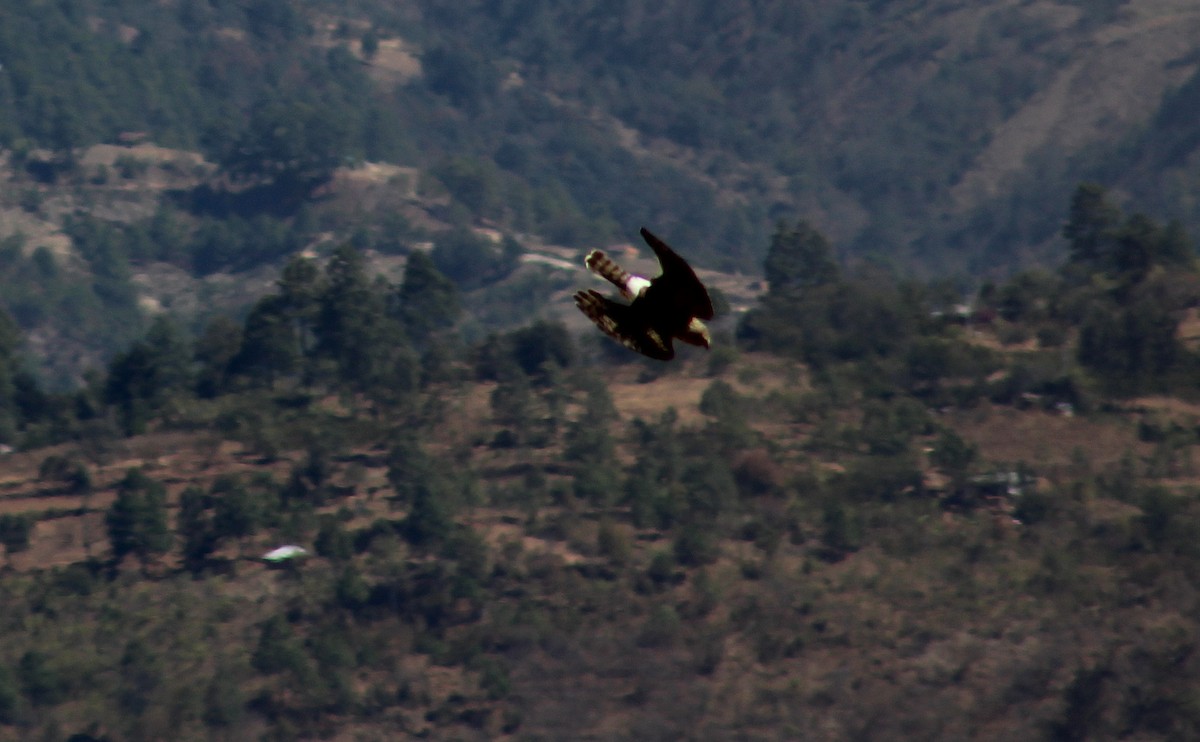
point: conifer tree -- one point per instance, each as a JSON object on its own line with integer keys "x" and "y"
{"x": 137, "y": 519}
{"x": 428, "y": 303}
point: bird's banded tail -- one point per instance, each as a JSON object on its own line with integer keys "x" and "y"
{"x": 603, "y": 266}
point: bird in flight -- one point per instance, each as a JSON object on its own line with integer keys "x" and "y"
{"x": 672, "y": 305}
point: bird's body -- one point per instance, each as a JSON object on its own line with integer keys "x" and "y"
{"x": 672, "y": 305}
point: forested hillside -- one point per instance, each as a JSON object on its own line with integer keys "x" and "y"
{"x": 881, "y": 117}
{"x": 278, "y": 273}
{"x": 931, "y": 138}
{"x": 869, "y": 511}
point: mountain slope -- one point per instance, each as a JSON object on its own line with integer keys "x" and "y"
{"x": 914, "y": 131}
{"x": 933, "y": 137}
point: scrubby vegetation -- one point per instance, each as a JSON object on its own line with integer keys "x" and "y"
{"x": 876, "y": 513}
{"x": 178, "y": 153}
{"x": 292, "y": 274}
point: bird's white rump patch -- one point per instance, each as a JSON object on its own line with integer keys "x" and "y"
{"x": 635, "y": 286}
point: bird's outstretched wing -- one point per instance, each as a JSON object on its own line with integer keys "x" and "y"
{"x": 679, "y": 278}
{"x": 625, "y": 324}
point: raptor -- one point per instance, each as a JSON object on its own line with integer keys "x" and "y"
{"x": 673, "y": 305}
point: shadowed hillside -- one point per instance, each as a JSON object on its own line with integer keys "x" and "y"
{"x": 869, "y": 511}
{"x": 931, "y": 138}
{"x": 283, "y": 273}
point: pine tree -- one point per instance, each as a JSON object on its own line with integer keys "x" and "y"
{"x": 237, "y": 512}
{"x": 799, "y": 257}
{"x": 154, "y": 370}
{"x": 195, "y": 528}
{"x": 428, "y": 303}
{"x": 365, "y": 348}
{"x": 269, "y": 350}
{"x": 301, "y": 286}
{"x": 137, "y": 519}
{"x": 1091, "y": 220}
{"x": 215, "y": 352}
{"x": 14, "y": 534}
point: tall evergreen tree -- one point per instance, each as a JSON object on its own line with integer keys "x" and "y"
{"x": 269, "y": 349}
{"x": 799, "y": 257}
{"x": 144, "y": 378}
{"x": 137, "y": 519}
{"x": 194, "y": 524}
{"x": 349, "y": 318}
{"x": 14, "y": 533}
{"x": 1090, "y": 222}
{"x": 300, "y": 288}
{"x": 237, "y": 513}
{"x": 427, "y": 301}
{"x": 216, "y": 349}
{"x": 10, "y": 338}
{"x": 361, "y": 345}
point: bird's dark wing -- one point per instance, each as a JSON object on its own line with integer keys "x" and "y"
{"x": 626, "y": 324}
{"x": 678, "y": 276}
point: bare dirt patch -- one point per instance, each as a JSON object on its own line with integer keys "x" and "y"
{"x": 1035, "y": 437}
{"x": 37, "y": 233}
{"x": 648, "y": 401}
{"x": 394, "y": 62}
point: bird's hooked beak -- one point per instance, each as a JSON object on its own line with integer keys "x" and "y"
{"x": 700, "y": 331}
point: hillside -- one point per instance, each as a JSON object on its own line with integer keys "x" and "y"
{"x": 283, "y": 273}
{"x": 929, "y": 138}
{"x": 866, "y": 512}
{"x": 584, "y": 617}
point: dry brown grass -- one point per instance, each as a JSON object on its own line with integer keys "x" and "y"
{"x": 1189, "y": 329}
{"x": 395, "y": 62}
{"x": 1043, "y": 438}
{"x": 648, "y": 401}
{"x": 181, "y": 460}
{"x": 871, "y": 627}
